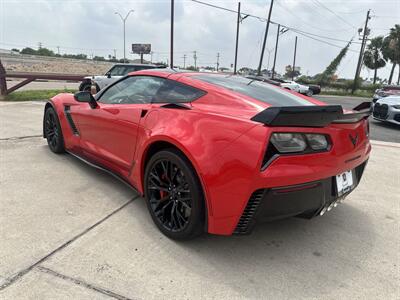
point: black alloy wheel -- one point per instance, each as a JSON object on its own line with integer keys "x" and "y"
{"x": 174, "y": 196}
{"x": 53, "y": 132}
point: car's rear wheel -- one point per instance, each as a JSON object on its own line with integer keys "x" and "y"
{"x": 52, "y": 130}
{"x": 174, "y": 195}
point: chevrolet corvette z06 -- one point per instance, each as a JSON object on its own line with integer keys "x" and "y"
{"x": 211, "y": 152}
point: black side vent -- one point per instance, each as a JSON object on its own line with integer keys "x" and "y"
{"x": 67, "y": 110}
{"x": 245, "y": 223}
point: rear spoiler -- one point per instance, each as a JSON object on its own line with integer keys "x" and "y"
{"x": 311, "y": 116}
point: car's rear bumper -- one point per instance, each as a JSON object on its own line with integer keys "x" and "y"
{"x": 307, "y": 200}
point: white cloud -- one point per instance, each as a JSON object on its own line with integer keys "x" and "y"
{"x": 93, "y": 27}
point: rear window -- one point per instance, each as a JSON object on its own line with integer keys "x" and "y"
{"x": 255, "y": 89}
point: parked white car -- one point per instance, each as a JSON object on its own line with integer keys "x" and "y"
{"x": 387, "y": 109}
{"x": 297, "y": 87}
{"x": 294, "y": 86}
{"x": 116, "y": 72}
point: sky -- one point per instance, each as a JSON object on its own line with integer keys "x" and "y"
{"x": 92, "y": 27}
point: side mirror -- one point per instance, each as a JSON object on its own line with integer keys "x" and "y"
{"x": 86, "y": 97}
{"x": 108, "y": 75}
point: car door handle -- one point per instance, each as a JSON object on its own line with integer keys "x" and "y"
{"x": 113, "y": 111}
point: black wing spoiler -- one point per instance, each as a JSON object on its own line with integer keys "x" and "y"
{"x": 311, "y": 116}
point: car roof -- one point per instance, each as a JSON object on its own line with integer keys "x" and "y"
{"x": 135, "y": 65}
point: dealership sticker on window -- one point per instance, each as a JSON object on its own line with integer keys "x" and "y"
{"x": 344, "y": 182}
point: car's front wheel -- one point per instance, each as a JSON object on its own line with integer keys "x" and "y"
{"x": 174, "y": 195}
{"x": 52, "y": 131}
{"x": 309, "y": 93}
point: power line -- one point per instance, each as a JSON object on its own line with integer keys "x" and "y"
{"x": 305, "y": 22}
{"x": 301, "y": 32}
{"x": 331, "y": 11}
{"x": 325, "y": 42}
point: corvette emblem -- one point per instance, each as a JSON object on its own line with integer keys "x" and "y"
{"x": 353, "y": 139}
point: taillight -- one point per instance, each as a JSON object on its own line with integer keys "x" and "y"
{"x": 367, "y": 129}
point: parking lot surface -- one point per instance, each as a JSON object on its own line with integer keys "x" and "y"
{"x": 380, "y": 131}
{"x": 69, "y": 231}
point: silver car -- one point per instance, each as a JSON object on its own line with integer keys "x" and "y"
{"x": 115, "y": 73}
{"x": 387, "y": 109}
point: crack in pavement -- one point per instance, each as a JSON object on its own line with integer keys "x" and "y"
{"x": 23, "y": 272}
{"x": 21, "y": 137}
{"x": 82, "y": 283}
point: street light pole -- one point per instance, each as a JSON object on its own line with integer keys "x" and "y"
{"x": 124, "y": 21}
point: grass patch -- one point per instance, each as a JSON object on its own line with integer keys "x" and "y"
{"x": 36, "y": 94}
{"x": 357, "y": 93}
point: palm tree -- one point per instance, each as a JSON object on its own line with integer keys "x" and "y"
{"x": 391, "y": 48}
{"x": 373, "y": 57}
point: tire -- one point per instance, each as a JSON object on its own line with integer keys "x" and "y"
{"x": 176, "y": 206}
{"x": 52, "y": 130}
{"x": 309, "y": 93}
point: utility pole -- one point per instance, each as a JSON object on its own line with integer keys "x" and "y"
{"x": 265, "y": 38}
{"x": 195, "y": 59}
{"x": 360, "y": 57}
{"x": 276, "y": 50}
{"x": 58, "y": 50}
{"x": 278, "y": 33}
{"x": 151, "y": 57}
{"x": 184, "y": 61}
{"x": 237, "y": 39}
{"x": 217, "y": 61}
{"x": 40, "y": 45}
{"x": 294, "y": 57}
{"x": 124, "y": 21}
{"x": 269, "y": 56}
{"x": 172, "y": 34}
{"x": 115, "y": 53}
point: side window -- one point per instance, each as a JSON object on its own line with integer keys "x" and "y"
{"x": 131, "y": 69}
{"x": 133, "y": 89}
{"x": 175, "y": 92}
{"x": 118, "y": 71}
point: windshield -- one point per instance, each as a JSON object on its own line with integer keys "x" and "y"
{"x": 258, "y": 90}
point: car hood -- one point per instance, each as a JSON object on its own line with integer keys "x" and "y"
{"x": 390, "y": 100}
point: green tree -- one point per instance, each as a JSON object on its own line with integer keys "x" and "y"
{"x": 292, "y": 73}
{"x": 373, "y": 57}
{"x": 326, "y": 76}
{"x": 99, "y": 58}
{"x": 28, "y": 50}
{"x": 44, "y": 52}
{"x": 191, "y": 68}
{"x": 391, "y": 48}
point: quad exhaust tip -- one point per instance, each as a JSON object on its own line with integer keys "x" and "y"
{"x": 331, "y": 205}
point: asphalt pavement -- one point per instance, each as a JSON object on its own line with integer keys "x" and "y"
{"x": 69, "y": 231}
{"x": 380, "y": 131}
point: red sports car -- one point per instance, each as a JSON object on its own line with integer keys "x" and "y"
{"x": 211, "y": 152}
